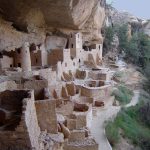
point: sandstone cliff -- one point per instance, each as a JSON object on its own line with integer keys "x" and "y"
{"x": 146, "y": 27}
{"x": 30, "y": 20}
{"x": 116, "y": 17}
{"x": 121, "y": 17}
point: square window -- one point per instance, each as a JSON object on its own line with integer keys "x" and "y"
{"x": 19, "y": 64}
{"x": 18, "y": 51}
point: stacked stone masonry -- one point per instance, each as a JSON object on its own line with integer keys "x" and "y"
{"x": 52, "y": 92}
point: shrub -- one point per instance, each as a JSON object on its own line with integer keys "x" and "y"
{"x": 132, "y": 126}
{"x": 145, "y": 113}
{"x": 123, "y": 94}
{"x": 109, "y": 34}
{"x": 118, "y": 74}
{"x": 112, "y": 133}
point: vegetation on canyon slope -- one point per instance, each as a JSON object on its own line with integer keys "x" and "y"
{"x": 123, "y": 94}
{"x": 132, "y": 123}
{"x": 137, "y": 48}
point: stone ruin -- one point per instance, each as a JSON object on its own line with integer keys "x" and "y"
{"x": 47, "y": 97}
{"x": 18, "y": 121}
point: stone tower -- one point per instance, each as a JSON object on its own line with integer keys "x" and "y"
{"x": 25, "y": 57}
{"x": 75, "y": 45}
{"x": 75, "y": 41}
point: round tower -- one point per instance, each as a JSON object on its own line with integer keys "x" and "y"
{"x": 25, "y": 57}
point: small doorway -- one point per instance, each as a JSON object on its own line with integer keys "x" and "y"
{"x": 36, "y": 60}
{"x": 19, "y": 65}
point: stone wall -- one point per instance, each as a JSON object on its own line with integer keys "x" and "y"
{"x": 6, "y": 62}
{"x": 47, "y": 115}
{"x": 71, "y": 89}
{"x": 26, "y": 134}
{"x": 97, "y": 92}
{"x": 100, "y": 76}
{"x": 7, "y": 85}
{"x": 77, "y": 135}
{"x": 83, "y": 119}
{"x": 22, "y": 57}
{"x": 36, "y": 58}
{"x": 54, "y": 56}
{"x": 32, "y": 123}
{"x": 49, "y": 75}
{"x": 87, "y": 144}
{"x": 38, "y": 87}
{"x": 39, "y": 58}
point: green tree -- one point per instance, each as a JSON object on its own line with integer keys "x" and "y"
{"x": 137, "y": 48}
{"x": 109, "y": 34}
{"x": 132, "y": 51}
{"x": 122, "y": 35}
{"x": 144, "y": 48}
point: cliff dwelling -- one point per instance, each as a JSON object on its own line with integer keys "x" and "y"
{"x": 62, "y": 91}
{"x": 63, "y": 85}
{"x": 52, "y": 80}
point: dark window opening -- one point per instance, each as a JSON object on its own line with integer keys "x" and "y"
{"x": 67, "y": 45}
{"x": 48, "y": 34}
{"x": 90, "y": 49}
{"x": 79, "y": 60}
{"x": 1, "y": 55}
{"x": 19, "y": 64}
{"x": 18, "y": 51}
{"x": 11, "y": 66}
{"x": 85, "y": 48}
{"x": 71, "y": 45}
{"x": 36, "y": 60}
{"x": 99, "y": 47}
{"x": 19, "y": 28}
{"x": 32, "y": 47}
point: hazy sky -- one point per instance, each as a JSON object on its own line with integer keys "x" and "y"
{"x": 139, "y": 8}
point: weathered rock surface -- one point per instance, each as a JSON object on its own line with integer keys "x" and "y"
{"x": 94, "y": 24}
{"x": 146, "y": 27}
{"x": 121, "y": 17}
{"x": 31, "y": 20}
{"x": 53, "y": 42}
{"x": 116, "y": 17}
{"x": 10, "y": 38}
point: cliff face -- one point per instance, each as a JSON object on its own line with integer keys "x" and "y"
{"x": 116, "y": 17}
{"x": 146, "y": 27}
{"x": 137, "y": 24}
{"x": 121, "y": 17}
{"x": 36, "y": 18}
